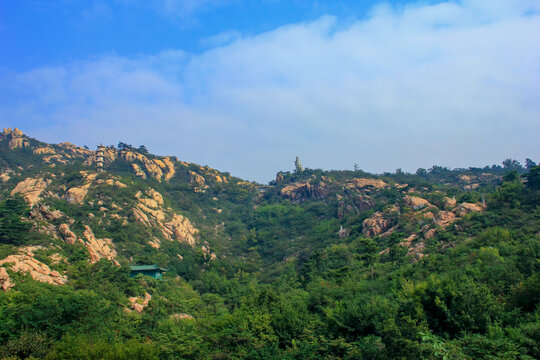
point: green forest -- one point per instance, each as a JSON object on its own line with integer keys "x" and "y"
{"x": 438, "y": 264}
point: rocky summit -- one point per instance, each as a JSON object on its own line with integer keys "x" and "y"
{"x": 442, "y": 263}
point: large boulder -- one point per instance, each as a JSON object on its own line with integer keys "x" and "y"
{"x": 98, "y": 248}
{"x": 77, "y": 194}
{"x": 31, "y": 189}
{"x": 445, "y": 218}
{"x": 361, "y": 183}
{"x": 415, "y": 202}
{"x": 466, "y": 208}
{"x": 305, "y": 190}
{"x": 375, "y": 225}
{"x": 27, "y": 264}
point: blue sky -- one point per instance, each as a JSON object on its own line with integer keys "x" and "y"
{"x": 245, "y": 86}
{"x": 37, "y": 32}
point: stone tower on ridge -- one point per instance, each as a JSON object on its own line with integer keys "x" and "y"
{"x": 298, "y": 165}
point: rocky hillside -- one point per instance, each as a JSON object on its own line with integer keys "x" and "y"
{"x": 110, "y": 201}
{"x": 316, "y": 264}
{"x": 124, "y": 204}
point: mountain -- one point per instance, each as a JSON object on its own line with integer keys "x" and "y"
{"x": 316, "y": 264}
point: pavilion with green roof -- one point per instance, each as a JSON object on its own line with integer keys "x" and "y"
{"x": 149, "y": 270}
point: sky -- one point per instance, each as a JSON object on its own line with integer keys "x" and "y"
{"x": 245, "y": 86}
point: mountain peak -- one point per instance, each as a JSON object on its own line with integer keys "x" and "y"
{"x": 15, "y": 138}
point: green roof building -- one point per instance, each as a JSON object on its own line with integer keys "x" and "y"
{"x": 149, "y": 270}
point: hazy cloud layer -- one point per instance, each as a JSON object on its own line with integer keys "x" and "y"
{"x": 455, "y": 84}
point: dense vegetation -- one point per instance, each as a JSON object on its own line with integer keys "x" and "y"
{"x": 284, "y": 285}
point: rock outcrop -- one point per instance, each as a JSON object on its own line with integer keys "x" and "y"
{"x": 445, "y": 218}
{"x": 68, "y": 235}
{"x": 429, "y": 234}
{"x": 181, "y": 316}
{"x": 375, "y": 225}
{"x": 439, "y": 218}
{"x": 27, "y": 264}
{"x": 361, "y": 183}
{"x": 138, "y": 304}
{"x": 142, "y": 165}
{"x": 415, "y": 202}
{"x": 15, "y": 138}
{"x": 111, "y": 182}
{"x": 149, "y": 212}
{"x": 305, "y": 190}
{"x": 30, "y": 189}
{"x": 44, "y": 150}
{"x": 363, "y": 202}
{"x": 18, "y": 143}
{"x": 98, "y": 248}
{"x": 182, "y": 229}
{"x": 73, "y": 151}
{"x": 466, "y": 178}
{"x": 43, "y": 212}
{"x": 53, "y": 159}
{"x": 153, "y": 194}
{"x": 465, "y": 208}
{"x": 408, "y": 241}
{"x": 169, "y": 168}
{"x": 450, "y": 202}
{"x": 4, "y": 177}
{"x": 156, "y": 168}
{"x": 5, "y": 280}
{"x": 138, "y": 171}
{"x": 77, "y": 194}
{"x": 196, "y": 179}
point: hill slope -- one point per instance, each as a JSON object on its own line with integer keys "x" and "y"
{"x": 317, "y": 264}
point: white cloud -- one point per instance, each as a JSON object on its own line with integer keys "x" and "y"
{"x": 223, "y": 38}
{"x": 453, "y": 84}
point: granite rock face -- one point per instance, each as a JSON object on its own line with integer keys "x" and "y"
{"x": 5, "y": 280}
{"x": 305, "y": 190}
{"x": 361, "y": 183}
{"x": 26, "y": 263}
{"x": 31, "y": 189}
{"x": 98, "y": 248}
{"x": 15, "y": 138}
{"x": 150, "y": 212}
{"x": 375, "y": 225}
{"x": 415, "y": 202}
{"x": 77, "y": 194}
{"x": 466, "y": 208}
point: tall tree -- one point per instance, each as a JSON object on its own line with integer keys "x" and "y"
{"x": 529, "y": 164}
